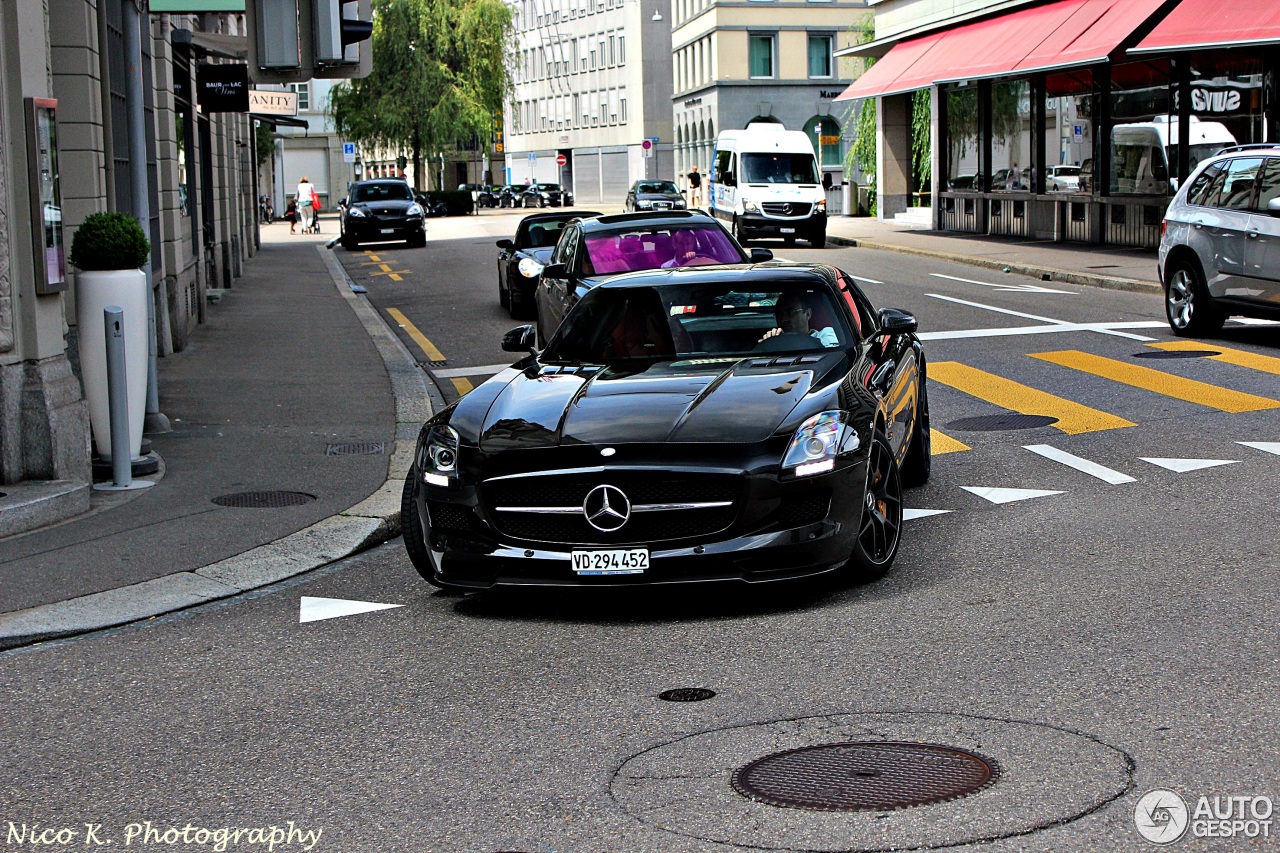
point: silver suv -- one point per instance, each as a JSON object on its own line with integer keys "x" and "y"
{"x": 1220, "y": 241}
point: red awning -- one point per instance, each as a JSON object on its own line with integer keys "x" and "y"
{"x": 1063, "y": 34}
{"x": 1215, "y": 23}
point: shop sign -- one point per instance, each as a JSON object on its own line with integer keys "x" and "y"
{"x": 222, "y": 88}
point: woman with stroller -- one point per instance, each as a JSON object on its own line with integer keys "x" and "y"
{"x": 306, "y": 214}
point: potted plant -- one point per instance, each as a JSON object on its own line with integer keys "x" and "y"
{"x": 108, "y": 251}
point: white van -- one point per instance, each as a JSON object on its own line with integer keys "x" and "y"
{"x": 1145, "y": 154}
{"x": 764, "y": 183}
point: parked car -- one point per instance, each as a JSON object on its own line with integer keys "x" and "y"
{"x": 489, "y": 195}
{"x": 381, "y": 210}
{"x": 1086, "y": 176}
{"x": 593, "y": 249}
{"x": 654, "y": 195}
{"x": 521, "y": 260}
{"x": 1062, "y": 179}
{"x": 1220, "y": 242}
{"x": 669, "y": 434}
{"x": 512, "y": 195}
{"x": 546, "y": 195}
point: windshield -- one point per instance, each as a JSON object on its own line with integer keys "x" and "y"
{"x": 652, "y": 248}
{"x": 1066, "y": 171}
{"x": 390, "y": 191}
{"x": 779, "y": 169}
{"x": 700, "y": 322}
{"x": 535, "y": 235}
{"x": 1196, "y": 153}
{"x": 657, "y": 187}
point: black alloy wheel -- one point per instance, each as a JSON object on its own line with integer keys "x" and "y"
{"x": 1187, "y": 303}
{"x": 415, "y": 542}
{"x": 918, "y": 463}
{"x": 881, "y": 524}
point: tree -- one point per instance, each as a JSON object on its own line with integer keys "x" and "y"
{"x": 439, "y": 76}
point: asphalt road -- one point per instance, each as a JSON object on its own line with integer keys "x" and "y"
{"x": 1109, "y": 632}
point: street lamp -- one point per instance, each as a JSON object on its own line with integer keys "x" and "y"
{"x": 657, "y": 15}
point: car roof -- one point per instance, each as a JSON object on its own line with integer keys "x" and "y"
{"x": 758, "y": 275}
{"x": 646, "y": 218}
{"x": 374, "y": 181}
{"x": 560, "y": 215}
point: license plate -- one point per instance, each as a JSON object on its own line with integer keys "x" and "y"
{"x": 787, "y": 230}
{"x": 629, "y": 561}
{"x": 388, "y": 230}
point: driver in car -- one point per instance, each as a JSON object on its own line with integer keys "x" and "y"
{"x": 792, "y": 315}
{"x": 686, "y": 249}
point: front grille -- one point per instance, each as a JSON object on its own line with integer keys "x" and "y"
{"x": 453, "y": 518}
{"x": 786, "y": 208}
{"x": 640, "y": 529}
{"x": 797, "y": 512}
{"x": 662, "y": 205}
{"x": 571, "y": 490}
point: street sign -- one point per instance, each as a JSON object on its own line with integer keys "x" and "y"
{"x": 533, "y": 158}
{"x": 348, "y": 152}
{"x": 646, "y": 145}
{"x": 561, "y": 159}
{"x": 1077, "y": 132}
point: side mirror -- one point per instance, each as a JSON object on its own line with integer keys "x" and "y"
{"x": 1273, "y": 207}
{"x": 555, "y": 271}
{"x": 895, "y": 322}
{"x": 520, "y": 339}
{"x": 759, "y": 256}
{"x": 728, "y": 180}
{"x": 342, "y": 202}
{"x": 506, "y": 245}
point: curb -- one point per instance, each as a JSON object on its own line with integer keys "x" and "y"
{"x": 372, "y": 521}
{"x": 1042, "y": 273}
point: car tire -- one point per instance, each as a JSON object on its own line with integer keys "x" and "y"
{"x": 504, "y": 298}
{"x": 918, "y": 463}
{"x": 1187, "y": 304}
{"x": 739, "y": 233}
{"x": 350, "y": 243}
{"x": 414, "y": 536}
{"x": 880, "y": 526}
{"x": 819, "y": 240}
{"x": 417, "y": 241}
{"x": 542, "y": 202}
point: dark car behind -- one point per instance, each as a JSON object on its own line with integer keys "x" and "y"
{"x": 654, "y": 195}
{"x": 380, "y": 211}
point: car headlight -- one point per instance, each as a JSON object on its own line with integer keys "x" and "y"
{"x": 545, "y": 195}
{"x": 529, "y": 268}
{"x": 749, "y": 205}
{"x": 415, "y": 209}
{"x": 438, "y": 456}
{"x": 356, "y": 212}
{"x": 644, "y": 203}
{"x": 818, "y": 443}
{"x": 822, "y": 205}
{"x": 679, "y": 205}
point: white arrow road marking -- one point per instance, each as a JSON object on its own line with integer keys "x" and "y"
{"x": 1020, "y": 288}
{"x": 1182, "y": 466}
{"x": 1100, "y": 328}
{"x": 1006, "y": 496}
{"x": 314, "y": 609}
{"x": 1093, "y": 469}
{"x": 867, "y": 280}
{"x": 908, "y": 514}
{"x": 1264, "y": 446}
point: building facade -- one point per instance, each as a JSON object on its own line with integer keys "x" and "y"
{"x": 592, "y": 88}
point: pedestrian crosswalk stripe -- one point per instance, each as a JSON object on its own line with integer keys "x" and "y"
{"x": 912, "y": 514}
{"x": 1007, "y": 496}
{"x": 1157, "y": 381}
{"x": 1182, "y": 466}
{"x": 1093, "y": 469}
{"x": 940, "y": 443}
{"x": 1072, "y": 418}
{"x": 1264, "y": 446}
{"x": 1265, "y": 363}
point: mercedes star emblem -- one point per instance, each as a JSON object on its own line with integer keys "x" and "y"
{"x": 786, "y": 208}
{"x": 606, "y": 508}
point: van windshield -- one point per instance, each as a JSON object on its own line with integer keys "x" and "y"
{"x": 779, "y": 169}
{"x": 1197, "y": 154}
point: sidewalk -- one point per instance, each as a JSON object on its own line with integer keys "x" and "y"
{"x": 290, "y": 365}
{"x": 1075, "y": 263}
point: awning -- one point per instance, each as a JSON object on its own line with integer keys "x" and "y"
{"x": 1198, "y": 24}
{"x": 1064, "y": 34}
{"x": 212, "y": 44}
{"x": 276, "y": 121}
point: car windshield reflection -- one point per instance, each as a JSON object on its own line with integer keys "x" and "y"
{"x": 644, "y": 249}
{"x": 699, "y": 323}
{"x": 391, "y": 191}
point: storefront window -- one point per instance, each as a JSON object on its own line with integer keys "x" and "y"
{"x": 1141, "y": 134}
{"x": 1226, "y": 90}
{"x": 961, "y": 105}
{"x": 1011, "y": 166}
{"x": 1069, "y": 121}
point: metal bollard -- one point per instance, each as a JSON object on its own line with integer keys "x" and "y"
{"x": 118, "y": 405}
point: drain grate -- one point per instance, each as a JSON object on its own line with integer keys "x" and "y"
{"x": 995, "y": 423}
{"x": 264, "y": 500}
{"x": 686, "y": 694}
{"x": 1189, "y": 353}
{"x": 860, "y": 776}
{"x": 356, "y": 448}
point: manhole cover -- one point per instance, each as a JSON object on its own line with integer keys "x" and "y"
{"x": 1188, "y": 353}
{"x": 358, "y": 448}
{"x": 686, "y": 694}
{"x": 995, "y": 423}
{"x": 264, "y": 500}
{"x": 865, "y": 775}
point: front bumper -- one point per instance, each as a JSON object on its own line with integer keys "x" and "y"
{"x": 372, "y": 229}
{"x": 760, "y": 225}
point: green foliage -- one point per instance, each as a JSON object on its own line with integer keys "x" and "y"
{"x": 862, "y": 152}
{"x": 921, "y": 137}
{"x": 439, "y": 76}
{"x": 109, "y": 241}
{"x": 264, "y": 142}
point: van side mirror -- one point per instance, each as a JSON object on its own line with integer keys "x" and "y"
{"x": 728, "y": 180}
{"x": 520, "y": 339}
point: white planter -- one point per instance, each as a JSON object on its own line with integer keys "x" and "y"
{"x": 126, "y": 289}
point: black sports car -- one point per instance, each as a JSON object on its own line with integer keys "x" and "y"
{"x": 596, "y": 248}
{"x": 521, "y": 260}
{"x": 377, "y": 211}
{"x": 681, "y": 427}
{"x": 512, "y": 195}
{"x": 654, "y": 195}
{"x": 546, "y": 195}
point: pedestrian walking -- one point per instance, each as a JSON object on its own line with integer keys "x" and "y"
{"x": 695, "y": 188}
{"x": 291, "y": 214}
{"x": 305, "y": 195}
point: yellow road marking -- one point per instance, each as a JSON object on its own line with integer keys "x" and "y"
{"x": 420, "y": 339}
{"x": 1072, "y": 418}
{"x": 395, "y": 277}
{"x": 1159, "y": 382}
{"x": 463, "y": 386}
{"x": 385, "y": 267}
{"x": 1265, "y": 363}
{"x": 941, "y": 443}
{"x": 392, "y": 273}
